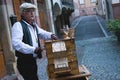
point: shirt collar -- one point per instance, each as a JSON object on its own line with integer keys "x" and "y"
{"x": 26, "y": 23}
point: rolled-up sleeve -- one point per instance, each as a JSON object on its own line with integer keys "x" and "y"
{"x": 17, "y": 36}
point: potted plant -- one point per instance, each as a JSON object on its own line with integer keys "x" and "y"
{"x": 114, "y": 25}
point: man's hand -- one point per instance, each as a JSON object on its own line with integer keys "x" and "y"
{"x": 38, "y": 51}
{"x": 54, "y": 37}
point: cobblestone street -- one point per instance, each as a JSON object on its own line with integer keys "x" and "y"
{"x": 101, "y": 56}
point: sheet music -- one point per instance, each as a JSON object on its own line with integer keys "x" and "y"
{"x": 58, "y": 46}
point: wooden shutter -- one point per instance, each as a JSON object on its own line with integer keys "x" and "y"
{"x": 16, "y": 4}
{"x": 116, "y": 9}
{"x": 2, "y": 63}
{"x": 42, "y": 20}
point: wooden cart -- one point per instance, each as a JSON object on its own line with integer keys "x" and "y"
{"x": 83, "y": 75}
{"x": 62, "y": 60}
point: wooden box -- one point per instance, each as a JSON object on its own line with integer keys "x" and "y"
{"x": 62, "y": 59}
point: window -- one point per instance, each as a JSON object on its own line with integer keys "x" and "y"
{"x": 83, "y": 11}
{"x": 82, "y": 1}
{"x": 93, "y": 1}
{"x": 115, "y": 1}
{"x": 94, "y": 9}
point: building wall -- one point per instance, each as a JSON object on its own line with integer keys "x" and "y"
{"x": 49, "y": 7}
{"x": 76, "y": 12}
{"x": 108, "y": 9}
{"x": 103, "y": 8}
{"x": 8, "y": 8}
{"x": 5, "y": 33}
{"x": 87, "y": 8}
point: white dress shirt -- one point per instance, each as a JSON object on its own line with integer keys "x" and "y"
{"x": 17, "y": 37}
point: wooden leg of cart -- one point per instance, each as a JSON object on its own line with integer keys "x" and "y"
{"x": 84, "y": 75}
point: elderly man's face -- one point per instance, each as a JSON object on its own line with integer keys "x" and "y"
{"x": 29, "y": 14}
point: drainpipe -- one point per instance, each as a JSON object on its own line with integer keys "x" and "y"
{"x": 106, "y": 13}
{"x": 110, "y": 9}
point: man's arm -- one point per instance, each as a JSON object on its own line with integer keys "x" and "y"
{"x": 46, "y": 35}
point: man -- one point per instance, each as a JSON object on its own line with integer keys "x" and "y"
{"x": 25, "y": 41}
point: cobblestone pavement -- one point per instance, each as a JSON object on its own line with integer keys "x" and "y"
{"x": 42, "y": 71}
{"x": 101, "y": 56}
